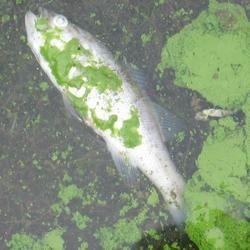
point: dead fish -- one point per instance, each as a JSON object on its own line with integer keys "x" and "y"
{"x": 106, "y": 97}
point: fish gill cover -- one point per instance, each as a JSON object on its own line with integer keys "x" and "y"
{"x": 211, "y": 56}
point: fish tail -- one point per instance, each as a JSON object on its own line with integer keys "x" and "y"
{"x": 178, "y": 214}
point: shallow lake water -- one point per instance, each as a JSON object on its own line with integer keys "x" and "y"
{"x": 58, "y": 182}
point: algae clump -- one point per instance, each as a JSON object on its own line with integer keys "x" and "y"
{"x": 123, "y": 232}
{"x": 23, "y": 241}
{"x": 80, "y": 220}
{"x": 222, "y": 163}
{"x": 51, "y": 241}
{"x": 68, "y": 193}
{"x": 54, "y": 240}
{"x": 211, "y": 56}
{"x": 217, "y": 195}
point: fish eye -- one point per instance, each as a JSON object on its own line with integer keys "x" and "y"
{"x": 60, "y": 21}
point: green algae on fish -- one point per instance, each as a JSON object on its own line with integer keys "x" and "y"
{"x": 104, "y": 124}
{"x": 41, "y": 24}
{"x": 129, "y": 130}
{"x": 100, "y": 77}
{"x": 104, "y": 96}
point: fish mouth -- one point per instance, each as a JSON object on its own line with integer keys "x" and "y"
{"x": 33, "y": 36}
{"x": 30, "y": 23}
{"x": 31, "y": 18}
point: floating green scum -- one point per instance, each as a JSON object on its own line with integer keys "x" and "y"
{"x": 211, "y": 56}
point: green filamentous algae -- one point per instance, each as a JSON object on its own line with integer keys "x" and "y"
{"x": 211, "y": 56}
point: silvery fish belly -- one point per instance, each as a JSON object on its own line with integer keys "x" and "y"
{"x": 106, "y": 97}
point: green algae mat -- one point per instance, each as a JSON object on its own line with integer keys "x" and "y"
{"x": 212, "y": 56}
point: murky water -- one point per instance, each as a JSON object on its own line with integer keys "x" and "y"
{"x": 55, "y": 173}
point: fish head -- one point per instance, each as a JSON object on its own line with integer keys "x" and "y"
{"x": 48, "y": 31}
{"x": 45, "y": 21}
{"x": 48, "y": 26}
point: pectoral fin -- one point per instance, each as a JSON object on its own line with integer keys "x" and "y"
{"x": 170, "y": 125}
